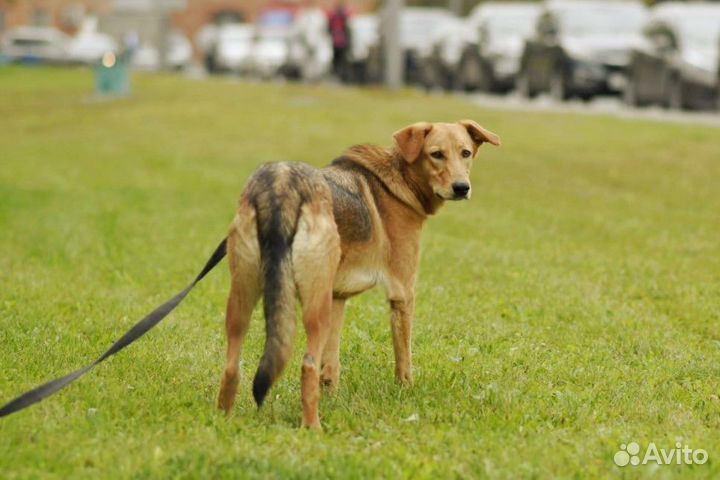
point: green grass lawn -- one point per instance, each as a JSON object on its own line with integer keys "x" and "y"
{"x": 572, "y": 305}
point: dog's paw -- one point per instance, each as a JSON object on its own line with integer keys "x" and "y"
{"x": 313, "y": 426}
{"x": 330, "y": 377}
{"x": 226, "y": 396}
{"x": 404, "y": 379}
{"x": 225, "y": 402}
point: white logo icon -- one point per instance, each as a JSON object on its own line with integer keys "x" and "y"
{"x": 627, "y": 454}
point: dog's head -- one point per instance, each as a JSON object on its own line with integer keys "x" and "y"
{"x": 441, "y": 154}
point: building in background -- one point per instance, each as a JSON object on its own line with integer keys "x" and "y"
{"x": 147, "y": 17}
{"x": 66, "y": 15}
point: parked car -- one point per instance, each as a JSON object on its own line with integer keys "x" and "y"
{"x": 89, "y": 47}
{"x": 309, "y": 46}
{"x": 440, "y": 58}
{"x": 677, "y": 63}
{"x": 232, "y": 49}
{"x": 717, "y": 81}
{"x": 270, "y": 52}
{"x": 363, "y": 35}
{"x": 490, "y": 57}
{"x": 178, "y": 56}
{"x": 35, "y": 45}
{"x": 581, "y": 48}
{"x": 417, "y": 25}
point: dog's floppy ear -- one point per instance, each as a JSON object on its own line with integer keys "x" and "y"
{"x": 479, "y": 134}
{"x": 410, "y": 140}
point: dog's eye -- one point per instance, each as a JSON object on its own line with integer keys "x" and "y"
{"x": 466, "y": 153}
{"x": 437, "y": 155}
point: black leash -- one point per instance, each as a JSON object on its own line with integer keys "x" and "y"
{"x": 140, "y": 329}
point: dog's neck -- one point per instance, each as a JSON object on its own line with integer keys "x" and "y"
{"x": 429, "y": 202}
{"x": 398, "y": 177}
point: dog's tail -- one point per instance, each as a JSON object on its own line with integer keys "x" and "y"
{"x": 279, "y": 304}
{"x": 277, "y": 207}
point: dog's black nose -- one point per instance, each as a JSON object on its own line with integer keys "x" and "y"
{"x": 460, "y": 189}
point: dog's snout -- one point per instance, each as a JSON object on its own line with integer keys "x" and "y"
{"x": 460, "y": 189}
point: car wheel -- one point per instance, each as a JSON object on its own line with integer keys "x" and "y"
{"x": 470, "y": 72}
{"x": 290, "y": 72}
{"x": 676, "y": 95}
{"x": 374, "y": 68}
{"x": 486, "y": 83}
{"x": 453, "y": 80}
{"x": 211, "y": 63}
{"x": 630, "y": 94}
{"x": 523, "y": 86}
{"x": 429, "y": 74}
{"x": 449, "y": 80}
{"x": 558, "y": 87}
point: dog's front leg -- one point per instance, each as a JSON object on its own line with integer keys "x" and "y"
{"x": 401, "y": 318}
{"x": 401, "y": 293}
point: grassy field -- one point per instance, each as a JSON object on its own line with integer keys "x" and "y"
{"x": 572, "y": 305}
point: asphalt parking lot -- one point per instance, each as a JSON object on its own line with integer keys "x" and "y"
{"x": 605, "y": 105}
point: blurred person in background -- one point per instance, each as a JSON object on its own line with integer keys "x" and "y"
{"x": 131, "y": 43}
{"x": 339, "y": 29}
{"x": 206, "y": 40}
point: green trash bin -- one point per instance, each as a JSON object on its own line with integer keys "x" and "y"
{"x": 112, "y": 75}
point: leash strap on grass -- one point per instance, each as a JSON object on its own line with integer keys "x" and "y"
{"x": 140, "y": 329}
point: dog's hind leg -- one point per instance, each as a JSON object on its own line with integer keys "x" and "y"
{"x": 316, "y": 318}
{"x": 330, "y": 375}
{"x": 239, "y": 309}
{"x": 245, "y": 289}
{"x": 316, "y": 253}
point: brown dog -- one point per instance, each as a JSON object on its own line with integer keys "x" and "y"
{"x": 323, "y": 236}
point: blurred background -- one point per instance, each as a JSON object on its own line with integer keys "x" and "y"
{"x": 626, "y": 52}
